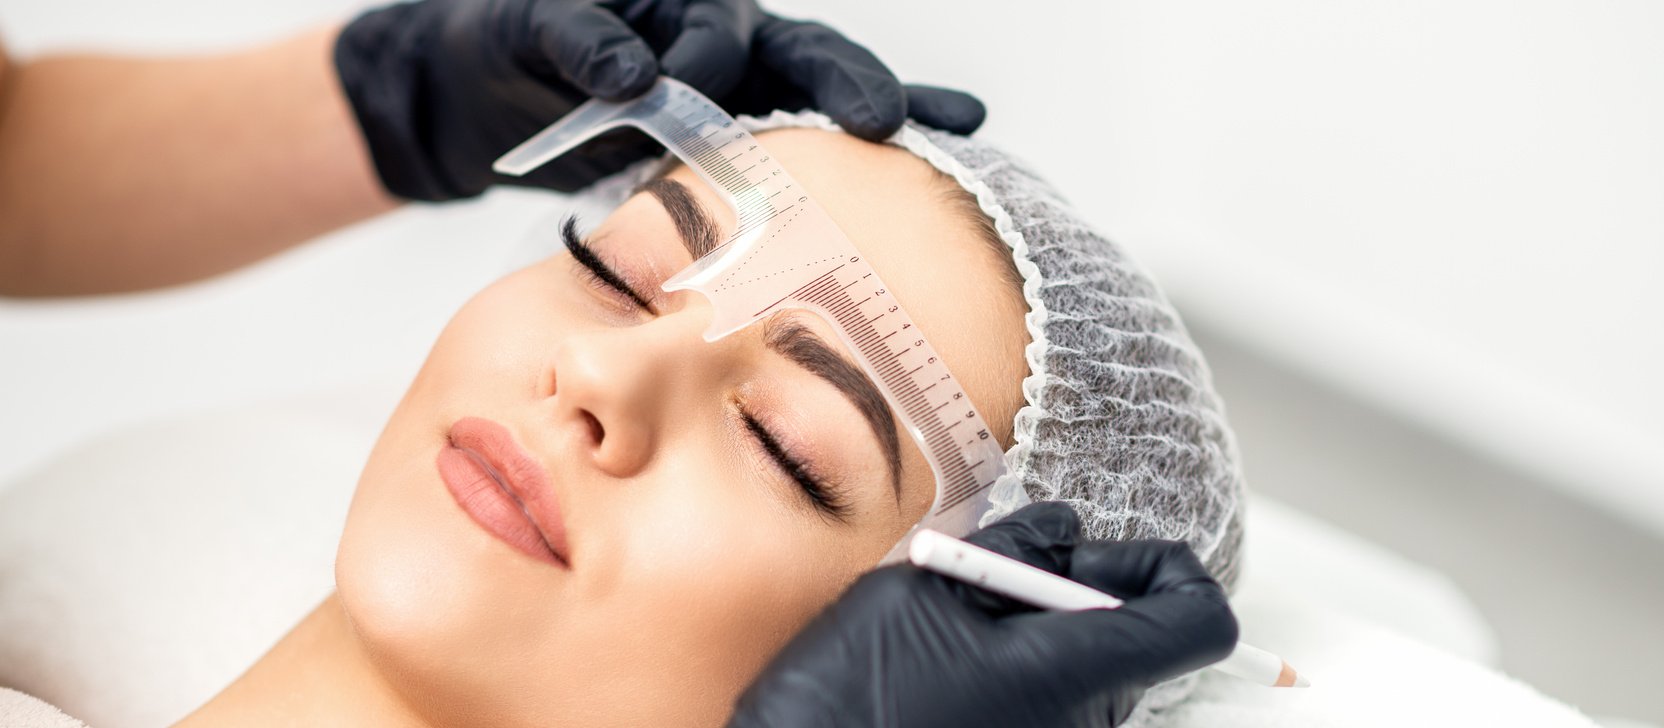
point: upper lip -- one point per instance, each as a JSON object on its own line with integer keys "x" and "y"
{"x": 520, "y": 474}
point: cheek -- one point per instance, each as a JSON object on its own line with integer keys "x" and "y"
{"x": 499, "y": 338}
{"x": 706, "y": 570}
{"x": 430, "y": 595}
{"x": 422, "y": 585}
{"x": 710, "y": 575}
{"x": 731, "y": 556}
{"x": 743, "y": 561}
{"x": 402, "y": 517}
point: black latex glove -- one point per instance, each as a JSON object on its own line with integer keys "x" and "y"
{"x": 912, "y": 649}
{"x": 442, "y": 88}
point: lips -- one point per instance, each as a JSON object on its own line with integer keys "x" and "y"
{"x": 503, "y": 489}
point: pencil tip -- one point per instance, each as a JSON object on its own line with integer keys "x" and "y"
{"x": 1300, "y": 681}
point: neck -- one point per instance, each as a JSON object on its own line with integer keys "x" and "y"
{"x": 318, "y": 674}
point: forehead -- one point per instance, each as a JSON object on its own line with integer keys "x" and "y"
{"x": 896, "y": 210}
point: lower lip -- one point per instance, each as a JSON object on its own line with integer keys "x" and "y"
{"x": 484, "y": 499}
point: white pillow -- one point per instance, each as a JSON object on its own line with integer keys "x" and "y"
{"x": 1294, "y": 558}
{"x": 1363, "y": 676}
{"x": 145, "y": 570}
{"x": 1385, "y": 642}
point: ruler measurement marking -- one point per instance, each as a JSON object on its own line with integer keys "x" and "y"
{"x": 754, "y": 223}
{"x": 831, "y": 293}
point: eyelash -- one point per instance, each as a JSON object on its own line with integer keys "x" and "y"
{"x": 823, "y": 498}
{"x": 595, "y": 272}
{"x": 598, "y": 274}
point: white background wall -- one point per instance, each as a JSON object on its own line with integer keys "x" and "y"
{"x": 1454, "y": 209}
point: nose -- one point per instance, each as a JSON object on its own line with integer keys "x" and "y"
{"x": 618, "y": 391}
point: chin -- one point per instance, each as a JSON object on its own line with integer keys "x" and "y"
{"x": 411, "y": 585}
{"x": 406, "y": 569}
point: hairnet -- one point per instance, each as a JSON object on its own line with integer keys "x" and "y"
{"x": 1120, "y": 418}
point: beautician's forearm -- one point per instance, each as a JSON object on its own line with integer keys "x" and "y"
{"x": 118, "y": 174}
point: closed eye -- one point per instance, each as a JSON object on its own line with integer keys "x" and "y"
{"x": 601, "y": 276}
{"x": 823, "y": 498}
{"x": 598, "y": 273}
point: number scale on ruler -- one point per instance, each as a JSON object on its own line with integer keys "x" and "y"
{"x": 709, "y": 151}
{"x": 831, "y": 292}
{"x": 936, "y": 420}
{"x": 793, "y": 272}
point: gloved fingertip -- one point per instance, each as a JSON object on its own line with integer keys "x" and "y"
{"x": 1145, "y": 566}
{"x": 951, "y": 111}
{"x": 872, "y": 123}
{"x": 623, "y": 75}
{"x": 592, "y": 49}
{"x": 1149, "y": 639}
{"x": 712, "y": 65}
{"x": 844, "y": 79}
{"x": 1058, "y": 517}
{"x": 1040, "y": 534}
{"x": 713, "y": 48}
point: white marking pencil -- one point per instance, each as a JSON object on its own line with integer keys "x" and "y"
{"x": 949, "y": 556}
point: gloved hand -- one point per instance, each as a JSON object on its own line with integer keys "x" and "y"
{"x": 912, "y": 649}
{"x": 441, "y": 88}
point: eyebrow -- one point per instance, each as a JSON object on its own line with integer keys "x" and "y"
{"x": 806, "y": 349}
{"x": 693, "y": 224}
{"x": 786, "y": 337}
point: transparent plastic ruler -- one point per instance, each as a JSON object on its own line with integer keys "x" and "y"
{"x": 786, "y": 252}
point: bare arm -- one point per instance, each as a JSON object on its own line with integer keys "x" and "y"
{"x": 118, "y": 174}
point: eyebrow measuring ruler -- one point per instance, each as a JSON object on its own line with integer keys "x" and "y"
{"x": 786, "y": 252}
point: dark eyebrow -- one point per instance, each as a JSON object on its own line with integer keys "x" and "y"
{"x": 790, "y": 339}
{"x": 797, "y": 343}
{"x": 693, "y": 224}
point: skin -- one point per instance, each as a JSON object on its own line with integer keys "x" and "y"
{"x": 121, "y": 174}
{"x": 693, "y": 556}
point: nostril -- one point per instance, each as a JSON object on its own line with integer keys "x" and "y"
{"x": 596, "y": 432}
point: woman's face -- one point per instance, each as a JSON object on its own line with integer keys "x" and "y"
{"x": 686, "y": 553}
